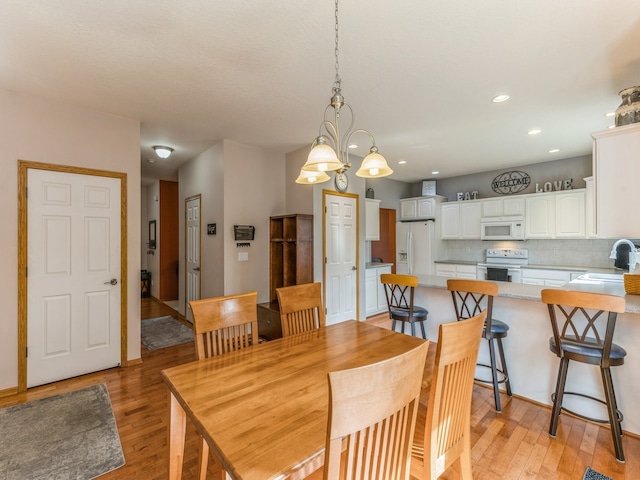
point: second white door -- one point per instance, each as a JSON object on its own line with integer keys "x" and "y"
{"x": 192, "y": 245}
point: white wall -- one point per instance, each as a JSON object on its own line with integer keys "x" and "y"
{"x": 255, "y": 190}
{"x": 153, "y": 213}
{"x": 40, "y": 131}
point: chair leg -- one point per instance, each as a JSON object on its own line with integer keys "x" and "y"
{"x": 557, "y": 400}
{"x": 413, "y": 328}
{"x": 503, "y": 362}
{"x": 203, "y": 459}
{"x": 393, "y": 325}
{"x": 612, "y": 407}
{"x": 424, "y": 334}
{"x": 465, "y": 459}
{"x": 494, "y": 374}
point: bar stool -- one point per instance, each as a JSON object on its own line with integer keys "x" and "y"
{"x": 583, "y": 324}
{"x": 399, "y": 290}
{"x": 470, "y": 297}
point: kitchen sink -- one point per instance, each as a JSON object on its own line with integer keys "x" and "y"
{"x": 598, "y": 278}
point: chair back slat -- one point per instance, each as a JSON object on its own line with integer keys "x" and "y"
{"x": 224, "y": 324}
{"x": 447, "y": 430}
{"x": 583, "y": 319}
{"x": 372, "y": 416}
{"x": 301, "y": 308}
{"x": 470, "y": 297}
{"x": 399, "y": 290}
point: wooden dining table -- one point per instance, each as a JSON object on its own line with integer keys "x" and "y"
{"x": 263, "y": 410}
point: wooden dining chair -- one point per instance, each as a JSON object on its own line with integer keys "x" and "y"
{"x": 372, "y": 416}
{"x": 301, "y": 308}
{"x": 399, "y": 290}
{"x": 221, "y": 325}
{"x": 447, "y": 429}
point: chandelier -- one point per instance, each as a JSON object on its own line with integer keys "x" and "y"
{"x": 330, "y": 150}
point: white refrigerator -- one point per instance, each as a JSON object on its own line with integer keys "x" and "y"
{"x": 417, "y": 247}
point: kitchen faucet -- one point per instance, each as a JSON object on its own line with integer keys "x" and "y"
{"x": 633, "y": 254}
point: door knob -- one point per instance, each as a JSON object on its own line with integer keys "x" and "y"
{"x": 197, "y": 269}
{"x": 353, "y": 268}
{"x": 113, "y": 281}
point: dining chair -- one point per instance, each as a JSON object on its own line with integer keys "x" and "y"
{"x": 583, "y": 324}
{"x": 470, "y": 297}
{"x": 372, "y": 417}
{"x": 447, "y": 430}
{"x": 399, "y": 290}
{"x": 221, "y": 325}
{"x": 301, "y": 308}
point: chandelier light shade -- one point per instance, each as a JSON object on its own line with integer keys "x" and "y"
{"x": 310, "y": 178}
{"x": 162, "y": 151}
{"x": 330, "y": 149}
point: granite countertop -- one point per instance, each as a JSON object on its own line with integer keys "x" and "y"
{"x": 458, "y": 262}
{"x": 522, "y": 291}
{"x": 376, "y": 265}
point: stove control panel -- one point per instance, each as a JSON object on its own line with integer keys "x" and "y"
{"x": 518, "y": 253}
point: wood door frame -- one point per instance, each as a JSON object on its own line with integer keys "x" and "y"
{"x": 186, "y": 276}
{"x": 23, "y": 167}
{"x": 324, "y": 243}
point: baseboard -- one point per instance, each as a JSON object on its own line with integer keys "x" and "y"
{"x": 132, "y": 362}
{"x": 8, "y": 392}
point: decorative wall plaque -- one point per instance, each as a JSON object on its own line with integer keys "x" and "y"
{"x": 509, "y": 183}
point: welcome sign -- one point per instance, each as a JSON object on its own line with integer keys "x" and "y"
{"x": 509, "y": 183}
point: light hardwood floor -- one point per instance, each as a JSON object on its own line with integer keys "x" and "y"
{"x": 511, "y": 445}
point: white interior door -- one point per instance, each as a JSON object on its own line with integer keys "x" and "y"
{"x": 73, "y": 279}
{"x": 192, "y": 245}
{"x": 341, "y": 262}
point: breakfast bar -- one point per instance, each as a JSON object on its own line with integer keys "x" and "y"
{"x": 532, "y": 366}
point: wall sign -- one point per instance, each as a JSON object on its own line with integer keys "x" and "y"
{"x": 509, "y": 183}
{"x": 556, "y": 186}
{"x": 467, "y": 195}
{"x": 211, "y": 228}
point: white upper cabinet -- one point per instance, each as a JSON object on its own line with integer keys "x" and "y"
{"x": 372, "y": 219}
{"x": 616, "y": 171}
{"x": 541, "y": 216}
{"x": 460, "y": 220}
{"x": 556, "y": 215}
{"x": 500, "y": 207}
{"x": 419, "y": 208}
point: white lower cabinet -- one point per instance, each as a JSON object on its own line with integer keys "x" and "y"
{"x": 375, "y": 300}
{"x": 453, "y": 270}
{"x": 547, "y": 278}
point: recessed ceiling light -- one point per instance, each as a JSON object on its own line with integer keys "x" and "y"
{"x": 534, "y": 131}
{"x": 402, "y": 162}
{"x": 503, "y": 97}
{"x": 435, "y": 172}
{"x": 609, "y": 114}
{"x": 554, "y": 150}
{"x": 353, "y": 145}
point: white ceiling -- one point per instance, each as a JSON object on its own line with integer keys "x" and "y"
{"x": 419, "y": 74}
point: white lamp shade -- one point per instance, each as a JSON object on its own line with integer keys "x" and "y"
{"x": 310, "y": 178}
{"x": 373, "y": 166}
{"x": 163, "y": 152}
{"x": 322, "y": 158}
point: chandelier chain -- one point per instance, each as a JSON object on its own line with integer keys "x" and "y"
{"x": 338, "y": 81}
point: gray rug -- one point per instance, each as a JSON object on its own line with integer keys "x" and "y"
{"x": 164, "y": 332}
{"x": 593, "y": 475}
{"x": 68, "y": 436}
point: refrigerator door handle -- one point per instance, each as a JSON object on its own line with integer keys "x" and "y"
{"x": 410, "y": 253}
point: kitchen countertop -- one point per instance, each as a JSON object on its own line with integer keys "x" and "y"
{"x": 457, "y": 262}
{"x": 522, "y": 291}
{"x": 376, "y": 265}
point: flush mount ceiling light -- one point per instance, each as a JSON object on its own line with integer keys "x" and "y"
{"x": 535, "y": 131}
{"x": 330, "y": 150}
{"x": 162, "y": 152}
{"x": 500, "y": 98}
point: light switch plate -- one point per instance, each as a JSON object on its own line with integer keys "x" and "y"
{"x": 243, "y": 256}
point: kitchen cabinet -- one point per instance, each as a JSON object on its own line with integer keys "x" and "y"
{"x": 616, "y": 171}
{"x": 375, "y": 300}
{"x": 589, "y": 208}
{"x": 460, "y": 220}
{"x": 556, "y": 215}
{"x": 547, "y": 277}
{"x": 420, "y": 207}
{"x": 501, "y": 207}
{"x": 452, "y": 270}
{"x": 372, "y": 219}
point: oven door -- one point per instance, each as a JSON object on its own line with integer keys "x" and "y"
{"x": 499, "y": 273}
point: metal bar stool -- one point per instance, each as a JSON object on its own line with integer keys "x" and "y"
{"x": 399, "y": 290}
{"x": 470, "y": 297}
{"x": 583, "y": 324}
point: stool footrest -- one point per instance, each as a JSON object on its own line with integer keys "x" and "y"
{"x": 585, "y": 417}
{"x": 490, "y": 381}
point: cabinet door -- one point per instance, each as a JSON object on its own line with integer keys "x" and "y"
{"x": 450, "y": 221}
{"x": 492, "y": 207}
{"x": 466, "y": 271}
{"x": 513, "y": 206}
{"x": 445, "y": 270}
{"x": 616, "y": 171}
{"x": 372, "y": 219}
{"x": 540, "y": 218}
{"x": 371, "y": 291}
{"x": 426, "y": 207}
{"x": 470, "y": 220}
{"x": 570, "y": 214}
{"x": 533, "y": 281}
{"x": 408, "y": 209}
{"x": 382, "y": 297}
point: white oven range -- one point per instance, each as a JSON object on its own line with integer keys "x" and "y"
{"x": 503, "y": 264}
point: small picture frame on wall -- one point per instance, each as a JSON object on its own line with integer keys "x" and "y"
{"x": 428, "y": 188}
{"x": 152, "y": 234}
{"x": 211, "y": 228}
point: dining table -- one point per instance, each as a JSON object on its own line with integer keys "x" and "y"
{"x": 263, "y": 410}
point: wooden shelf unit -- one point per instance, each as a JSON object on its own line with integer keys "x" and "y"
{"x": 291, "y": 251}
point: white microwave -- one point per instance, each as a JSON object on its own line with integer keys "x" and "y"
{"x": 502, "y": 228}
